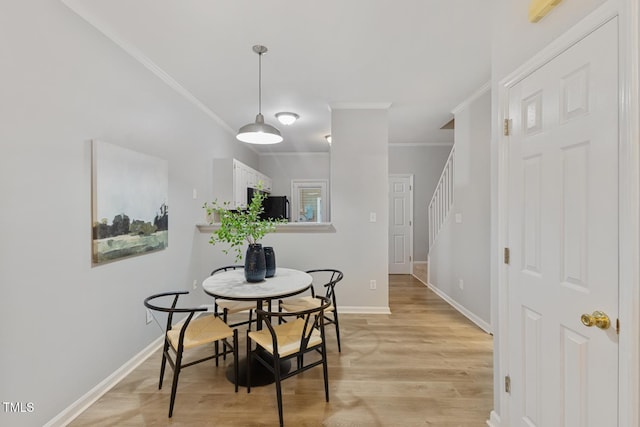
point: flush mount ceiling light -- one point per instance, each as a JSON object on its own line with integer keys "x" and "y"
{"x": 328, "y": 138}
{"x": 259, "y": 132}
{"x": 287, "y": 118}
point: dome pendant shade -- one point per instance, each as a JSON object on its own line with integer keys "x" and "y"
{"x": 259, "y": 132}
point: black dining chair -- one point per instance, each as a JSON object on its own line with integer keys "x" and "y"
{"x": 194, "y": 331}
{"x": 328, "y": 278}
{"x": 301, "y": 334}
{"x": 230, "y": 306}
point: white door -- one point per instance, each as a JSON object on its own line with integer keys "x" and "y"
{"x": 563, "y": 237}
{"x": 400, "y": 224}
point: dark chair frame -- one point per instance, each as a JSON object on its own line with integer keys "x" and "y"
{"x": 272, "y": 362}
{"x": 331, "y": 316}
{"x": 176, "y": 364}
{"x": 336, "y": 276}
{"x": 225, "y": 312}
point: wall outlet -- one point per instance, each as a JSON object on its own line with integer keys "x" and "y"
{"x": 372, "y": 285}
{"x": 195, "y": 284}
{"x": 461, "y": 284}
{"x": 149, "y": 316}
{"x": 373, "y": 217}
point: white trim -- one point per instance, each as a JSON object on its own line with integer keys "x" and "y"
{"x": 460, "y": 308}
{"x": 89, "y": 398}
{"x": 475, "y": 95}
{"x": 494, "y": 420}
{"x": 363, "y": 310}
{"x": 296, "y": 153}
{"x": 425, "y": 144}
{"x": 360, "y": 106}
{"x": 106, "y": 30}
{"x": 629, "y": 219}
{"x": 629, "y": 209}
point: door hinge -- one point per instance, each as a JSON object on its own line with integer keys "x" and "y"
{"x": 507, "y": 384}
{"x": 618, "y": 326}
{"x": 507, "y": 255}
{"x": 506, "y": 127}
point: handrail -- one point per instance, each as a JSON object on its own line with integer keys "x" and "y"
{"x": 442, "y": 199}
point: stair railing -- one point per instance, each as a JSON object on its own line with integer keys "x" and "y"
{"x": 442, "y": 200}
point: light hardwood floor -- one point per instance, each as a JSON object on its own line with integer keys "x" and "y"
{"x": 423, "y": 365}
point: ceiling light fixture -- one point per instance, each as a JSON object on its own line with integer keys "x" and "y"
{"x": 259, "y": 132}
{"x": 328, "y": 138}
{"x": 287, "y": 118}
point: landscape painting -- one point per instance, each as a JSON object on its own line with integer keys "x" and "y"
{"x": 130, "y": 202}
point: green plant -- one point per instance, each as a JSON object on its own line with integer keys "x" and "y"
{"x": 238, "y": 227}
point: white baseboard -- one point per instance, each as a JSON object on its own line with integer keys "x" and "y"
{"x": 466, "y": 313}
{"x": 363, "y": 310}
{"x": 494, "y": 420}
{"x": 80, "y": 405}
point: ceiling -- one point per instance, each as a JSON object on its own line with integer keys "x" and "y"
{"x": 423, "y": 57}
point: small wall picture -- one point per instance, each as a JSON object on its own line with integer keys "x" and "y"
{"x": 129, "y": 202}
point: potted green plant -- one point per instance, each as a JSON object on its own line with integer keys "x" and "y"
{"x": 240, "y": 227}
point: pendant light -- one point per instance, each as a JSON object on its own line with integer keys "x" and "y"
{"x": 259, "y": 132}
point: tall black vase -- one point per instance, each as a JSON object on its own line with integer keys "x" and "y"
{"x": 255, "y": 267}
{"x": 270, "y": 259}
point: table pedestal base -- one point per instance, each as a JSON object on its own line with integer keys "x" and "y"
{"x": 259, "y": 374}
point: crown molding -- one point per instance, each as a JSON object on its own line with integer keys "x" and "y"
{"x": 421, "y": 144}
{"x": 477, "y": 94}
{"x": 136, "y": 54}
{"x": 360, "y": 106}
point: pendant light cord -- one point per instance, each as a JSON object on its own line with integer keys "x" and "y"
{"x": 260, "y": 83}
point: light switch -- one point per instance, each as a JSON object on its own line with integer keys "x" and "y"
{"x": 372, "y": 217}
{"x": 458, "y": 218}
{"x": 195, "y": 194}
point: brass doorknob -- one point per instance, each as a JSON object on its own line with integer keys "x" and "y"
{"x": 597, "y": 318}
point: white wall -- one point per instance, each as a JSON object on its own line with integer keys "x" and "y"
{"x": 514, "y": 41}
{"x": 461, "y": 250}
{"x": 65, "y": 324}
{"x": 357, "y": 247}
{"x": 282, "y": 168}
{"x": 425, "y": 162}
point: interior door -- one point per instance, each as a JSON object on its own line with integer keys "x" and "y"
{"x": 400, "y": 224}
{"x": 563, "y": 238}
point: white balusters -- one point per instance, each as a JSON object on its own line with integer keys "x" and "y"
{"x": 442, "y": 200}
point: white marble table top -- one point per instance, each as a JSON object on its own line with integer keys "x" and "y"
{"x": 232, "y": 285}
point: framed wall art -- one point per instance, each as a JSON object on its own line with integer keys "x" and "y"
{"x": 130, "y": 211}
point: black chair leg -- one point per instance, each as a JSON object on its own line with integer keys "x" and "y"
{"x": 335, "y": 320}
{"x": 248, "y": 363}
{"x": 164, "y": 363}
{"x": 174, "y": 386}
{"x": 325, "y": 372}
{"x": 276, "y": 368}
{"x": 224, "y": 318}
{"x": 235, "y": 358}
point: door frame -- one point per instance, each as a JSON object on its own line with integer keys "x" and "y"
{"x": 627, "y": 12}
{"x": 411, "y": 221}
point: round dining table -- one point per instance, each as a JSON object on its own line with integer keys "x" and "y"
{"x": 232, "y": 285}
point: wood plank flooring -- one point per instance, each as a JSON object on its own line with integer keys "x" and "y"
{"x": 423, "y": 365}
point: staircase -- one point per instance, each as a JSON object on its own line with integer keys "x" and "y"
{"x": 442, "y": 200}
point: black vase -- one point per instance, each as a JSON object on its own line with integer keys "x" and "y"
{"x": 270, "y": 259}
{"x": 255, "y": 267}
